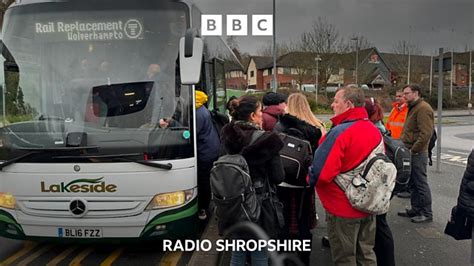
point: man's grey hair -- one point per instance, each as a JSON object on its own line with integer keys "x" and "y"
{"x": 354, "y": 94}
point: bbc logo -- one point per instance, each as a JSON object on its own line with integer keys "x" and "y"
{"x": 237, "y": 25}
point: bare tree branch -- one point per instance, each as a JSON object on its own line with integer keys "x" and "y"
{"x": 282, "y": 49}
{"x": 403, "y": 47}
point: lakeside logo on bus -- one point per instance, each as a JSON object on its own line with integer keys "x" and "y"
{"x": 237, "y": 25}
{"x": 77, "y": 30}
{"x": 78, "y": 186}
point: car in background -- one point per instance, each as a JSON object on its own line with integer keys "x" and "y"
{"x": 308, "y": 87}
{"x": 250, "y": 91}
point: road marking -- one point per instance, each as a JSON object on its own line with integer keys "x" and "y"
{"x": 110, "y": 259}
{"x": 446, "y": 158}
{"x": 62, "y": 256}
{"x": 35, "y": 255}
{"x": 458, "y": 152}
{"x": 455, "y": 158}
{"x": 27, "y": 247}
{"x": 81, "y": 256}
{"x": 453, "y": 164}
{"x": 170, "y": 258}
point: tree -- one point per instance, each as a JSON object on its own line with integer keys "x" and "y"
{"x": 361, "y": 43}
{"x": 417, "y": 67}
{"x": 405, "y": 47}
{"x": 324, "y": 40}
{"x": 282, "y": 49}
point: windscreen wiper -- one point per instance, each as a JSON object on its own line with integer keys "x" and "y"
{"x": 33, "y": 151}
{"x": 61, "y": 149}
{"x": 17, "y": 159}
{"x": 120, "y": 157}
{"x": 165, "y": 166}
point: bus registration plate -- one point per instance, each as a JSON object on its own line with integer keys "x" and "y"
{"x": 67, "y": 232}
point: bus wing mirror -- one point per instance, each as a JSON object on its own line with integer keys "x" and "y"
{"x": 190, "y": 58}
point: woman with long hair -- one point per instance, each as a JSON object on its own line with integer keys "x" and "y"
{"x": 375, "y": 112}
{"x": 244, "y": 135}
{"x": 300, "y": 108}
{"x": 299, "y": 201}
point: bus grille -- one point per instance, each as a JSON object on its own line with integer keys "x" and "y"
{"x": 96, "y": 207}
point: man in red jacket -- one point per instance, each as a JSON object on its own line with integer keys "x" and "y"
{"x": 352, "y": 138}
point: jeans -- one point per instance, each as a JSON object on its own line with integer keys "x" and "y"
{"x": 258, "y": 258}
{"x": 421, "y": 193}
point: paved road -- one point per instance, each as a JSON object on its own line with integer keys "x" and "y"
{"x": 15, "y": 252}
{"x": 458, "y": 137}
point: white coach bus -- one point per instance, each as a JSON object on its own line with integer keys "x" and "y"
{"x": 85, "y": 84}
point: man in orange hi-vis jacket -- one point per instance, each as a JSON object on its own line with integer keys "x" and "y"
{"x": 397, "y": 116}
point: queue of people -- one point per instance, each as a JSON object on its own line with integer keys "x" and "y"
{"x": 355, "y": 237}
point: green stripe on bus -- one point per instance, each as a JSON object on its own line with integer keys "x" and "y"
{"x": 8, "y": 218}
{"x": 172, "y": 215}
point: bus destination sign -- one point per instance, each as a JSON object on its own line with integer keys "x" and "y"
{"x": 130, "y": 29}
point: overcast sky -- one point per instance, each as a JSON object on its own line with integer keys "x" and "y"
{"x": 433, "y": 23}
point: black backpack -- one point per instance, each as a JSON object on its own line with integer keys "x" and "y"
{"x": 296, "y": 156}
{"x": 232, "y": 190}
{"x": 219, "y": 120}
{"x": 401, "y": 158}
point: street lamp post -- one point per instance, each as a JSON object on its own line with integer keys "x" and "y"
{"x": 409, "y": 57}
{"x": 469, "y": 105}
{"x": 316, "y": 84}
{"x": 275, "y": 81}
{"x": 356, "y": 39}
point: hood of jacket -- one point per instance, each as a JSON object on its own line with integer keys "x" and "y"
{"x": 274, "y": 110}
{"x": 237, "y": 135}
{"x": 201, "y": 99}
{"x": 356, "y": 113}
{"x": 308, "y": 131}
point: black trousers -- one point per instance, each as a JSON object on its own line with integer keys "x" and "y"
{"x": 204, "y": 184}
{"x": 384, "y": 248}
{"x": 297, "y": 201}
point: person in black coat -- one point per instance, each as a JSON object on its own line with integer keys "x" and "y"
{"x": 299, "y": 202}
{"x": 462, "y": 215}
{"x": 265, "y": 167}
{"x": 466, "y": 191}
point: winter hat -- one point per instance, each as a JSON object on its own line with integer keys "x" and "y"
{"x": 273, "y": 98}
{"x": 201, "y": 98}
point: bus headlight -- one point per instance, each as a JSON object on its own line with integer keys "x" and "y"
{"x": 7, "y": 200}
{"x": 171, "y": 199}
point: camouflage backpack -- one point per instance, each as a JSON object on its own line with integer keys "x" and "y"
{"x": 369, "y": 186}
